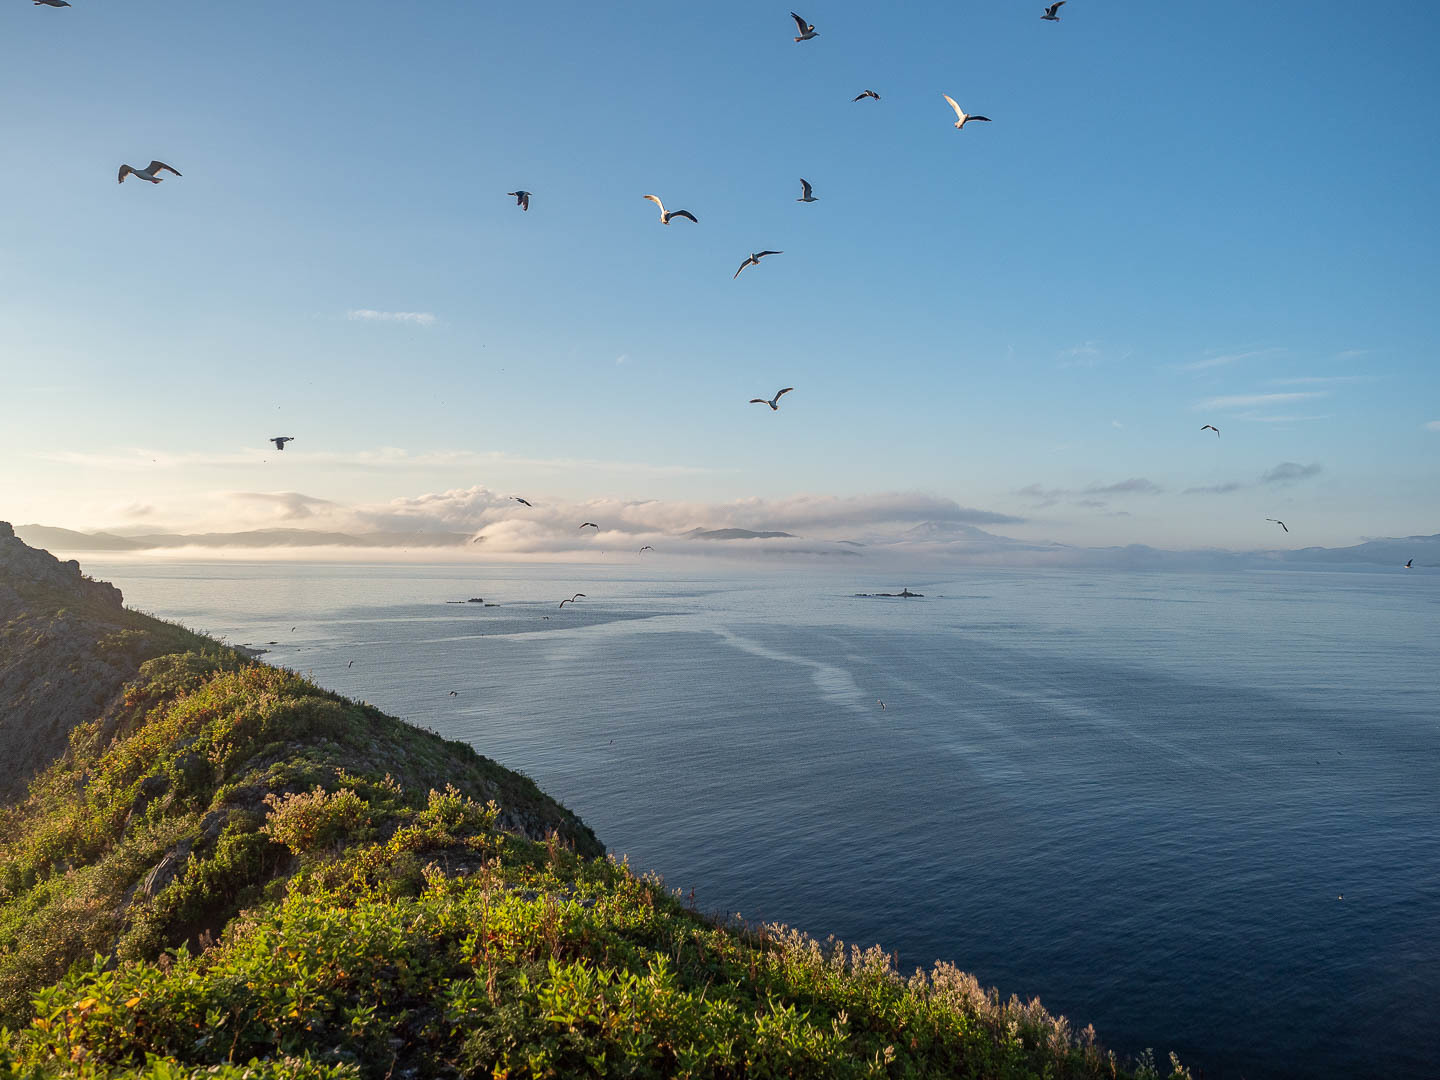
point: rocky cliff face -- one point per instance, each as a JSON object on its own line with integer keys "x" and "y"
{"x": 67, "y": 645}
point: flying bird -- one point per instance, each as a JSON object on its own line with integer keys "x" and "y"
{"x": 1277, "y": 521}
{"x": 1212, "y": 427}
{"x": 666, "y": 215}
{"x": 147, "y": 173}
{"x": 1407, "y": 564}
{"x": 644, "y": 549}
{"x": 52, "y": 3}
{"x": 754, "y": 260}
{"x": 866, "y": 93}
{"x": 522, "y": 502}
{"x": 281, "y": 440}
{"x": 453, "y": 694}
{"x": 964, "y": 117}
{"x": 805, "y": 192}
{"x": 577, "y": 596}
{"x": 806, "y": 30}
{"x": 589, "y": 525}
{"x": 522, "y": 199}
{"x": 1051, "y": 10}
{"x": 774, "y": 402}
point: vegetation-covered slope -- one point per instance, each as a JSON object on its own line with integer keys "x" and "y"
{"x": 233, "y": 872}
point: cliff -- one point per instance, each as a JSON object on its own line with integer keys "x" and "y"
{"x": 229, "y": 872}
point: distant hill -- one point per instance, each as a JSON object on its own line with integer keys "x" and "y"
{"x": 67, "y": 540}
{"x": 735, "y": 534}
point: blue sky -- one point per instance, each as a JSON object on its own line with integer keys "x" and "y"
{"x": 1180, "y": 214}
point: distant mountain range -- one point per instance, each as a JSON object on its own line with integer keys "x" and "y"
{"x": 932, "y": 537}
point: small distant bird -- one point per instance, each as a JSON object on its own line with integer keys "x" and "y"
{"x": 350, "y": 664}
{"x": 1407, "y": 564}
{"x": 644, "y": 549}
{"x": 522, "y": 199}
{"x": 806, "y": 30}
{"x": 1277, "y": 521}
{"x": 1212, "y": 427}
{"x": 964, "y": 117}
{"x": 589, "y": 525}
{"x": 774, "y": 402}
{"x": 1052, "y": 9}
{"x": 754, "y": 260}
{"x": 147, "y": 173}
{"x": 522, "y": 502}
{"x": 51, "y": 3}
{"x": 453, "y": 693}
{"x": 880, "y": 703}
{"x": 572, "y": 599}
{"x": 805, "y": 192}
{"x": 281, "y": 440}
{"x": 866, "y": 93}
{"x": 666, "y": 215}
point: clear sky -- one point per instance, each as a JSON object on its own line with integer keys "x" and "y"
{"x": 1182, "y": 213}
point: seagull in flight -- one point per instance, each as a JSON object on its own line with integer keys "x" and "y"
{"x": 805, "y": 191}
{"x": 522, "y": 502}
{"x": 866, "y": 93}
{"x": 666, "y": 215}
{"x": 1212, "y": 427}
{"x": 522, "y": 199}
{"x": 644, "y": 549}
{"x": 964, "y": 117}
{"x": 572, "y": 599}
{"x": 281, "y": 440}
{"x": 774, "y": 402}
{"x": 754, "y": 260}
{"x": 1277, "y": 521}
{"x": 589, "y": 525}
{"x": 806, "y": 30}
{"x": 1050, "y": 11}
{"x": 52, "y": 3}
{"x": 147, "y": 173}
{"x": 1407, "y": 564}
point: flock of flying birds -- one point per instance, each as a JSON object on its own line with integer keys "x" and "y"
{"x": 807, "y": 32}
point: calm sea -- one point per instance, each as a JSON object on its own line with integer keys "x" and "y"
{"x": 1139, "y": 796}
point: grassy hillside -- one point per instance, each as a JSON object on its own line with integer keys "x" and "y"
{"x": 231, "y": 871}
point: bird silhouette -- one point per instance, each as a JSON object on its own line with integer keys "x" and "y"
{"x": 806, "y": 30}
{"x": 774, "y": 402}
{"x": 147, "y": 173}
{"x": 1052, "y": 9}
{"x": 805, "y": 193}
{"x": 866, "y": 93}
{"x": 281, "y": 440}
{"x": 666, "y": 215}
{"x": 1277, "y": 521}
{"x": 1212, "y": 427}
{"x": 754, "y": 260}
{"x": 522, "y": 199}
{"x": 572, "y": 599}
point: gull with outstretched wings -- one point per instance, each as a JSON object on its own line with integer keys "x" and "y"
{"x": 963, "y": 117}
{"x": 1212, "y": 427}
{"x": 806, "y": 30}
{"x": 147, "y": 173}
{"x": 866, "y": 93}
{"x": 806, "y": 192}
{"x": 281, "y": 440}
{"x": 1050, "y": 11}
{"x": 1277, "y": 521}
{"x": 754, "y": 260}
{"x": 774, "y": 402}
{"x": 522, "y": 198}
{"x": 666, "y": 215}
{"x": 577, "y": 596}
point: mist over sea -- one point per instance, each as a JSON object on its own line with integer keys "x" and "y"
{"x": 1137, "y": 795}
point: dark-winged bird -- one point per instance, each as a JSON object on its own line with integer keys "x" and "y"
{"x": 1277, "y": 521}
{"x": 866, "y": 93}
{"x": 666, "y": 215}
{"x": 522, "y": 502}
{"x": 588, "y": 525}
{"x": 147, "y": 173}
{"x": 774, "y": 402}
{"x": 806, "y": 193}
{"x": 281, "y": 440}
{"x": 1212, "y": 427}
{"x": 806, "y": 30}
{"x": 964, "y": 117}
{"x": 572, "y": 599}
{"x": 754, "y": 260}
{"x": 1052, "y": 9}
{"x": 522, "y": 199}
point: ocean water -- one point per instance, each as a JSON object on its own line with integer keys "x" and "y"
{"x": 1139, "y": 796}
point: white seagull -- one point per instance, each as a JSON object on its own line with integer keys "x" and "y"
{"x": 147, "y": 173}
{"x": 806, "y": 30}
{"x": 1212, "y": 427}
{"x": 754, "y": 260}
{"x": 666, "y": 215}
{"x": 281, "y": 440}
{"x": 522, "y": 199}
{"x": 866, "y": 93}
{"x": 964, "y": 117}
{"x": 1050, "y": 11}
{"x": 1277, "y": 521}
{"x": 805, "y": 192}
{"x": 774, "y": 402}
{"x": 577, "y": 596}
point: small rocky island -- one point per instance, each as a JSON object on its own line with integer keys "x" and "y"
{"x": 904, "y": 594}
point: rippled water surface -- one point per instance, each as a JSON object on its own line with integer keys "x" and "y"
{"x": 1138, "y": 796}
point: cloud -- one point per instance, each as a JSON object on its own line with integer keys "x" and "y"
{"x": 1116, "y": 423}
{"x": 1290, "y": 472}
{"x": 1228, "y": 358}
{"x": 1289, "y": 418}
{"x": 286, "y": 505}
{"x": 1433, "y": 425}
{"x": 1322, "y": 380}
{"x": 417, "y": 318}
{"x": 1085, "y": 355}
{"x": 1245, "y": 401}
{"x": 1282, "y": 475}
{"x": 1136, "y": 485}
